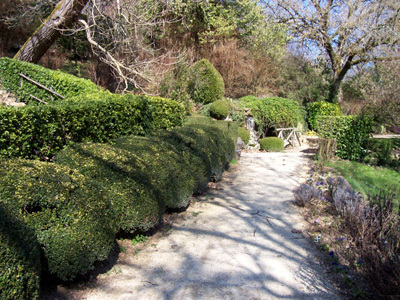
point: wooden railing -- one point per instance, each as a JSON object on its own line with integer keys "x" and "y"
{"x": 289, "y": 136}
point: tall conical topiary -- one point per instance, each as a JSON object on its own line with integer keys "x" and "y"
{"x": 205, "y": 84}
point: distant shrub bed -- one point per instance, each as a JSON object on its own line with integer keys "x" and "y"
{"x": 321, "y": 108}
{"x": 272, "y": 144}
{"x": 351, "y": 132}
{"x": 274, "y": 112}
{"x": 72, "y": 209}
{"x": 41, "y": 131}
{"x": 65, "y": 84}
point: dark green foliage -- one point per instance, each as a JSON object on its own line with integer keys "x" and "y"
{"x": 62, "y": 83}
{"x": 244, "y": 134}
{"x": 321, "y": 108}
{"x": 274, "y": 112}
{"x": 271, "y": 144}
{"x": 175, "y": 86}
{"x": 69, "y": 214}
{"x": 379, "y": 152}
{"x": 168, "y": 170}
{"x": 219, "y": 109}
{"x": 44, "y": 130}
{"x": 19, "y": 258}
{"x": 205, "y": 84}
{"x": 123, "y": 175}
{"x": 351, "y": 133}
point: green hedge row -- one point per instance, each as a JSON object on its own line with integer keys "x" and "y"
{"x": 65, "y": 84}
{"x": 42, "y": 131}
{"x": 272, "y": 144}
{"x": 72, "y": 209}
{"x": 351, "y": 132}
{"x": 274, "y": 112}
{"x": 321, "y": 108}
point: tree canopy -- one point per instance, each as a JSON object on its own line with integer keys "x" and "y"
{"x": 347, "y": 33}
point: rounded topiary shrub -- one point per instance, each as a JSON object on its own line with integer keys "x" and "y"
{"x": 70, "y": 217}
{"x": 19, "y": 258}
{"x": 244, "y": 134}
{"x": 125, "y": 180}
{"x": 219, "y": 109}
{"x": 271, "y": 144}
{"x": 205, "y": 84}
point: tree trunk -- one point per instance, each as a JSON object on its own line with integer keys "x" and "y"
{"x": 334, "y": 92}
{"x": 64, "y": 14}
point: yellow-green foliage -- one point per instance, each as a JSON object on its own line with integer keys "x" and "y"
{"x": 244, "y": 134}
{"x": 123, "y": 177}
{"x": 19, "y": 258}
{"x": 321, "y": 108}
{"x": 271, "y": 144}
{"x": 42, "y": 131}
{"x": 65, "y": 84}
{"x": 71, "y": 218}
{"x": 219, "y": 109}
{"x": 205, "y": 84}
{"x": 273, "y": 112}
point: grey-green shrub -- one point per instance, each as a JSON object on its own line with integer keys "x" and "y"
{"x": 244, "y": 134}
{"x": 219, "y": 109}
{"x": 19, "y": 258}
{"x": 206, "y": 84}
{"x": 69, "y": 214}
{"x": 271, "y": 144}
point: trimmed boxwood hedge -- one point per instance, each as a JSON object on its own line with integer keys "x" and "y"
{"x": 69, "y": 214}
{"x": 41, "y": 131}
{"x": 19, "y": 258}
{"x": 124, "y": 177}
{"x": 351, "y": 133}
{"x": 272, "y": 144}
{"x": 321, "y": 108}
{"x": 169, "y": 171}
{"x": 65, "y": 84}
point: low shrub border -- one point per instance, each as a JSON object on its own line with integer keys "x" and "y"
{"x": 41, "y": 131}
{"x": 272, "y": 144}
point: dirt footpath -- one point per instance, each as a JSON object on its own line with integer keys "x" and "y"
{"x": 240, "y": 241}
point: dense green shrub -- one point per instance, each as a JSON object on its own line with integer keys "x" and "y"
{"x": 351, "y": 133}
{"x": 321, "y": 108}
{"x": 206, "y": 84}
{"x": 219, "y": 109}
{"x": 244, "y": 134}
{"x": 271, "y": 144}
{"x": 379, "y": 152}
{"x": 175, "y": 86}
{"x": 44, "y": 130}
{"x": 69, "y": 214}
{"x": 65, "y": 84}
{"x": 19, "y": 258}
{"x": 249, "y": 98}
{"x": 167, "y": 169}
{"x": 124, "y": 178}
{"x": 274, "y": 112}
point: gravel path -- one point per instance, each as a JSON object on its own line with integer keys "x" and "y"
{"x": 236, "y": 242}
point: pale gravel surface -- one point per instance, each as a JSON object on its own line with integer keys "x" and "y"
{"x": 233, "y": 243}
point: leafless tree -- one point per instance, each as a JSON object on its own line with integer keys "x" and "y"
{"x": 346, "y": 32}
